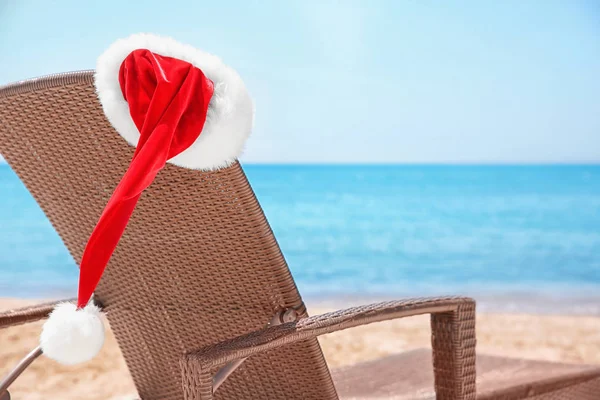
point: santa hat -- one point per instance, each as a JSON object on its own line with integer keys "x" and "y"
{"x": 175, "y": 104}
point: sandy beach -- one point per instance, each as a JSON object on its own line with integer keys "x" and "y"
{"x": 573, "y": 339}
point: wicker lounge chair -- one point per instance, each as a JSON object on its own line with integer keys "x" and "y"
{"x": 213, "y": 278}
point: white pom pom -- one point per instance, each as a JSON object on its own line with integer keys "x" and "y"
{"x": 72, "y": 336}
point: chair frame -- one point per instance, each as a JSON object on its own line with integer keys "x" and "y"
{"x": 453, "y": 342}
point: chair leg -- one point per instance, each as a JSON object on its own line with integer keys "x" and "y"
{"x": 18, "y": 370}
{"x": 453, "y": 342}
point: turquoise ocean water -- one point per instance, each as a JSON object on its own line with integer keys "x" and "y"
{"x": 515, "y": 237}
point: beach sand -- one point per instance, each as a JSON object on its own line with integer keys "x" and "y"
{"x": 573, "y": 339}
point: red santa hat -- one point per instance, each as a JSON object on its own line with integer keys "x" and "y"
{"x": 175, "y": 104}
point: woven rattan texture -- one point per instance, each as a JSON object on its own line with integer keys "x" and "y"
{"x": 453, "y": 324}
{"x": 197, "y": 264}
{"x": 453, "y": 342}
{"x": 26, "y": 314}
{"x": 408, "y": 375}
{"x": 553, "y": 385}
{"x": 589, "y": 390}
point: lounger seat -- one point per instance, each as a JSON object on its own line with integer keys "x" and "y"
{"x": 409, "y": 376}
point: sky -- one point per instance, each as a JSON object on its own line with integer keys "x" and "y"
{"x": 367, "y": 81}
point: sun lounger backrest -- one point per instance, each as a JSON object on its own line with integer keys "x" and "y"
{"x": 197, "y": 264}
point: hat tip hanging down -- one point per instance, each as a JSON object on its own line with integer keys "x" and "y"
{"x": 192, "y": 111}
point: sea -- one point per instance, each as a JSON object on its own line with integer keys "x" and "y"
{"x": 517, "y": 238}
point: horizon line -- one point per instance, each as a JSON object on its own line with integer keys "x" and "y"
{"x": 428, "y": 163}
{"x": 418, "y": 163}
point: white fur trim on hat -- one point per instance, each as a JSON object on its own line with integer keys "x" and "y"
{"x": 71, "y": 335}
{"x": 230, "y": 111}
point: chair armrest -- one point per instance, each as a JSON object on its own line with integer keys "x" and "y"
{"x": 453, "y": 342}
{"x": 24, "y": 315}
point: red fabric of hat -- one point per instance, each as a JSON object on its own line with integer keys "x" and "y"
{"x": 168, "y": 101}
{"x": 156, "y": 93}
